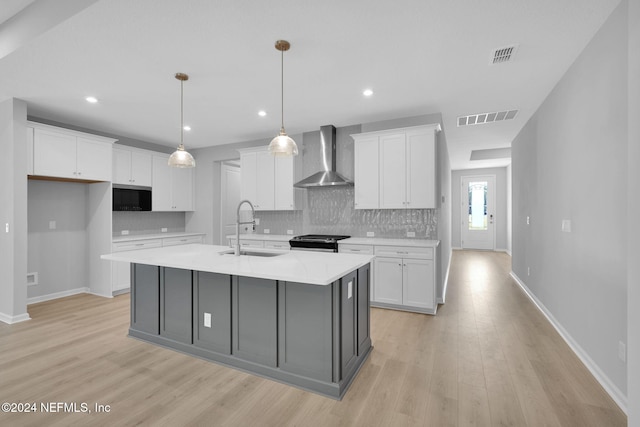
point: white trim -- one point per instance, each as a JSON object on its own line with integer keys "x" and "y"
{"x": 446, "y": 281}
{"x": 99, "y": 294}
{"x": 601, "y": 377}
{"x": 57, "y": 295}
{"x": 14, "y": 319}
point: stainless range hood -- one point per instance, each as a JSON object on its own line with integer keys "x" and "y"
{"x": 328, "y": 176}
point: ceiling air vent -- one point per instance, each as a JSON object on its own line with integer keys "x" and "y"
{"x": 503, "y": 54}
{"x": 484, "y": 118}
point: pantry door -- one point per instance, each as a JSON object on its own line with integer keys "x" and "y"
{"x": 478, "y": 212}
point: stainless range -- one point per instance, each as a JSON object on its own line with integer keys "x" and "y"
{"x": 316, "y": 242}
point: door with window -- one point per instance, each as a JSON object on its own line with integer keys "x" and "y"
{"x": 478, "y": 212}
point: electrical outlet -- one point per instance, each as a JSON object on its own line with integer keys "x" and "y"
{"x": 370, "y": 234}
{"x": 207, "y": 320}
{"x": 622, "y": 351}
{"x": 566, "y": 225}
{"x": 289, "y": 231}
{"x": 6, "y": 227}
{"x": 52, "y": 225}
{"x": 350, "y": 289}
{"x": 528, "y": 271}
{"x": 125, "y": 232}
{"x": 267, "y": 230}
{"x": 527, "y": 219}
{"x": 411, "y": 234}
{"x": 163, "y": 229}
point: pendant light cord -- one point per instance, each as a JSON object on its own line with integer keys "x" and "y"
{"x": 282, "y": 89}
{"x": 181, "y": 112}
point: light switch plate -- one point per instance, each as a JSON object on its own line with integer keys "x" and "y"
{"x": 289, "y": 231}
{"x": 370, "y": 234}
{"x": 52, "y": 225}
{"x": 566, "y": 225}
{"x": 267, "y": 230}
{"x": 164, "y": 229}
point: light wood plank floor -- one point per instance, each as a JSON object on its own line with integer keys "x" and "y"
{"x": 488, "y": 358}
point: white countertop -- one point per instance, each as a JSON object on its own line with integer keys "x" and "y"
{"x": 132, "y": 238}
{"x": 317, "y": 268}
{"x": 256, "y": 236}
{"x": 381, "y": 241}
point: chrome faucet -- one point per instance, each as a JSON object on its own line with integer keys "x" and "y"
{"x": 238, "y": 223}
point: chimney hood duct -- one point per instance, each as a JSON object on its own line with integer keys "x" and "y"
{"x": 327, "y": 177}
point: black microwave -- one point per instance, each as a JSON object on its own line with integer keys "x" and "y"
{"x": 131, "y": 198}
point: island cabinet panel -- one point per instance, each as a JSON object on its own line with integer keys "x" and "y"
{"x": 212, "y": 297}
{"x": 305, "y": 330}
{"x": 255, "y": 320}
{"x": 364, "y": 338}
{"x": 145, "y": 298}
{"x": 348, "y": 322}
{"x": 175, "y": 304}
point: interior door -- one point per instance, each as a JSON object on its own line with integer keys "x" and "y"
{"x": 478, "y": 212}
{"x": 230, "y": 197}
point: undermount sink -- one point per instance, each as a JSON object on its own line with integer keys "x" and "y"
{"x": 252, "y": 253}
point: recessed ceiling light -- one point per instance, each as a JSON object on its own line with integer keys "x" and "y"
{"x": 187, "y": 128}
{"x": 367, "y": 92}
{"x": 91, "y": 99}
{"x": 262, "y": 113}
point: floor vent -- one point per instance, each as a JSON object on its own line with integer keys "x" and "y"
{"x": 484, "y": 118}
{"x": 503, "y": 54}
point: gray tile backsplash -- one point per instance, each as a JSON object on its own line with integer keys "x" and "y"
{"x": 147, "y": 222}
{"x": 331, "y": 211}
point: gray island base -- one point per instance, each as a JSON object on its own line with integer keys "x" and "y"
{"x": 308, "y": 336}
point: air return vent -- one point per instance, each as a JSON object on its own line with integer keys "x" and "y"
{"x": 484, "y": 118}
{"x": 503, "y": 54}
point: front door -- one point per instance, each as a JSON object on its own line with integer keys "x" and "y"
{"x": 478, "y": 212}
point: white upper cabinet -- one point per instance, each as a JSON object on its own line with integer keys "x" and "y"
{"x": 29, "y": 151}
{"x": 396, "y": 168}
{"x": 63, "y": 153}
{"x": 172, "y": 188}
{"x": 267, "y": 180}
{"x": 132, "y": 167}
{"x": 366, "y": 182}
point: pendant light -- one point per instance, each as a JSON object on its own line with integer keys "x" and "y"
{"x": 181, "y": 158}
{"x": 282, "y": 145}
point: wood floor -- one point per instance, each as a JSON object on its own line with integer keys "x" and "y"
{"x": 488, "y": 358}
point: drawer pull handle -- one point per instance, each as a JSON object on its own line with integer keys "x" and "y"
{"x": 402, "y": 252}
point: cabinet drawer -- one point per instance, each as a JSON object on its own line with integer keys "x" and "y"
{"x": 138, "y": 244}
{"x": 404, "y": 252}
{"x": 173, "y": 241}
{"x": 356, "y": 249}
{"x": 277, "y": 245}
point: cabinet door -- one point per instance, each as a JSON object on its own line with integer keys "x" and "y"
{"x": 161, "y": 193}
{"x": 388, "y": 281}
{"x": 392, "y": 171}
{"x": 182, "y": 189}
{"x": 121, "y": 166}
{"x": 94, "y": 160}
{"x": 248, "y": 178}
{"x": 265, "y": 190}
{"x": 54, "y": 154}
{"x": 283, "y": 183}
{"x": 176, "y": 316}
{"x": 348, "y": 323}
{"x": 141, "y": 169}
{"x": 29, "y": 151}
{"x": 366, "y": 177}
{"x": 418, "y": 285}
{"x": 421, "y": 170}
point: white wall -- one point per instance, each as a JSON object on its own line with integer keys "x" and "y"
{"x": 501, "y": 198}
{"x": 509, "y": 209}
{"x": 633, "y": 255}
{"x": 59, "y": 255}
{"x": 13, "y": 211}
{"x": 570, "y": 162}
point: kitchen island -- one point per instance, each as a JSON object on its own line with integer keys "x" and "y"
{"x": 297, "y": 317}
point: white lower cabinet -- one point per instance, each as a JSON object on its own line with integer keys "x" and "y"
{"x": 121, "y": 271}
{"x": 402, "y": 277}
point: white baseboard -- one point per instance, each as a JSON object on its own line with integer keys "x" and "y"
{"x": 601, "y": 377}
{"x": 57, "y": 295}
{"x": 14, "y": 319}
